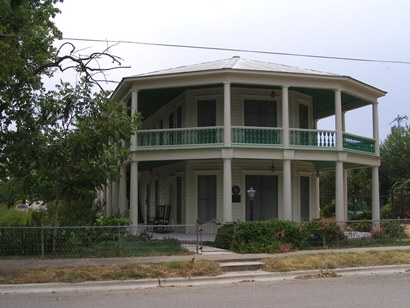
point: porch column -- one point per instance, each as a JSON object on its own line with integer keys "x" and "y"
{"x": 134, "y": 108}
{"x": 376, "y": 128}
{"x": 227, "y": 114}
{"x": 339, "y": 120}
{"x": 114, "y": 196}
{"x": 227, "y": 187}
{"x": 345, "y": 195}
{"x": 285, "y": 116}
{"x": 122, "y": 198}
{"x": 317, "y": 186}
{"x": 287, "y": 197}
{"x": 340, "y": 215}
{"x": 375, "y": 197}
{"x": 108, "y": 198}
{"x": 134, "y": 194}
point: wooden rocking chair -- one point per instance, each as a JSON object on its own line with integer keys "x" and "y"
{"x": 161, "y": 218}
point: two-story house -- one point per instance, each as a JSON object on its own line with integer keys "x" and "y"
{"x": 213, "y": 130}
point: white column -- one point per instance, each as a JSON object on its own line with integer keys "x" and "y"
{"x": 227, "y": 114}
{"x": 345, "y": 194}
{"x": 114, "y": 205}
{"x": 285, "y": 116}
{"x": 122, "y": 198}
{"x": 376, "y": 128}
{"x": 339, "y": 120}
{"x": 108, "y": 199}
{"x": 134, "y": 194}
{"x": 227, "y": 187}
{"x": 375, "y": 197}
{"x": 134, "y": 108}
{"x": 317, "y": 186}
{"x": 287, "y": 197}
{"x": 340, "y": 215}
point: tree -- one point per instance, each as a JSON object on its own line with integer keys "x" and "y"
{"x": 27, "y": 33}
{"x": 61, "y": 144}
{"x": 395, "y": 158}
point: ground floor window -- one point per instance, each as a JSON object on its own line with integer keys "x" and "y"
{"x": 206, "y": 198}
{"x": 265, "y": 203}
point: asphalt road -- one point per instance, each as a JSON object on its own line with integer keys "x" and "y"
{"x": 381, "y": 290}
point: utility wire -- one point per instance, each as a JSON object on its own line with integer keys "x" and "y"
{"x": 238, "y": 50}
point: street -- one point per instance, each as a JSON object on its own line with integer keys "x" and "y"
{"x": 354, "y": 291}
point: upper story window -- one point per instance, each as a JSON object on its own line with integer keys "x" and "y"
{"x": 260, "y": 113}
{"x": 206, "y": 113}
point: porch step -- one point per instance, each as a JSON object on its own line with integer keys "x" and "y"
{"x": 239, "y": 266}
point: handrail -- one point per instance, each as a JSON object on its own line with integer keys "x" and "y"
{"x": 312, "y": 138}
{"x": 256, "y": 135}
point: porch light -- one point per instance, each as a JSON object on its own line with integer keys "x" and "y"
{"x": 251, "y": 193}
{"x": 273, "y": 94}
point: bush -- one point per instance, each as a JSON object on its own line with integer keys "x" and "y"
{"x": 267, "y": 236}
{"x": 361, "y": 226}
{"x": 323, "y": 232}
{"x": 393, "y": 230}
{"x": 14, "y": 218}
{"x": 224, "y": 236}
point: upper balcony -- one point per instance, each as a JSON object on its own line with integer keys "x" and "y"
{"x": 301, "y": 139}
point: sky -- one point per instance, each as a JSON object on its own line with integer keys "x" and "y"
{"x": 368, "y": 29}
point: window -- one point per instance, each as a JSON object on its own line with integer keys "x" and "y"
{"x": 260, "y": 113}
{"x": 206, "y": 113}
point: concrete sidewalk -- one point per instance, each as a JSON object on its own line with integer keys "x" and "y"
{"x": 220, "y": 256}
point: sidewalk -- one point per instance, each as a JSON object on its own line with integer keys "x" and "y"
{"x": 212, "y": 256}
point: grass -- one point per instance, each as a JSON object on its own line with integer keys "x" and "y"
{"x": 336, "y": 260}
{"x": 110, "y": 272}
{"x": 195, "y": 268}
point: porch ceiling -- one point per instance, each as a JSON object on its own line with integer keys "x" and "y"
{"x": 150, "y": 101}
{"x": 324, "y": 102}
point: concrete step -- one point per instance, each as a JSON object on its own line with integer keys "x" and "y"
{"x": 239, "y": 266}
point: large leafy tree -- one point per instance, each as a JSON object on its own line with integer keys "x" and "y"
{"x": 62, "y": 143}
{"x": 395, "y": 158}
{"x": 27, "y": 33}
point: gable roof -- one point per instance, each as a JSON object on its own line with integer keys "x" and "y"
{"x": 236, "y": 63}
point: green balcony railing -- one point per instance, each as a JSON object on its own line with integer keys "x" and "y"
{"x": 313, "y": 138}
{"x": 358, "y": 143}
{"x": 256, "y": 135}
{"x": 180, "y": 136}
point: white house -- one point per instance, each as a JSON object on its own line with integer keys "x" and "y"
{"x": 213, "y": 130}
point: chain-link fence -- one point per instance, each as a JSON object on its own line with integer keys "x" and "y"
{"x": 150, "y": 240}
{"x": 107, "y": 241}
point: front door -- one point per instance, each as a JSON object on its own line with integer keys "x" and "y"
{"x": 304, "y": 198}
{"x": 265, "y": 203}
{"x": 206, "y": 198}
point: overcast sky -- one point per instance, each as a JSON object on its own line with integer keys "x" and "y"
{"x": 370, "y": 29}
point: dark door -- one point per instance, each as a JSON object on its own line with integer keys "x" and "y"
{"x": 206, "y": 117}
{"x": 206, "y": 198}
{"x": 265, "y": 203}
{"x": 179, "y": 200}
{"x": 304, "y": 198}
{"x": 260, "y": 113}
{"x": 304, "y": 137}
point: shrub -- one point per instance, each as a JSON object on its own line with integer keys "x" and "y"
{"x": 323, "y": 232}
{"x": 393, "y": 230}
{"x": 267, "y": 236}
{"x": 361, "y": 226}
{"x": 224, "y": 236}
{"x": 14, "y": 218}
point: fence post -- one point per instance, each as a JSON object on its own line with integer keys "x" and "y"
{"x": 398, "y": 221}
{"x": 197, "y": 235}
{"x": 42, "y": 241}
{"x": 119, "y": 235}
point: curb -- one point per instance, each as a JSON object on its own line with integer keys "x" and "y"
{"x": 227, "y": 278}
